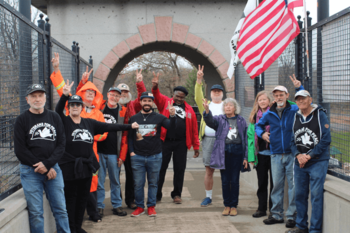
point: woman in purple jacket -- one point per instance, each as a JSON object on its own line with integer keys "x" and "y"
{"x": 230, "y": 150}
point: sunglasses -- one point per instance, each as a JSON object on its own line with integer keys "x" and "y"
{"x": 75, "y": 104}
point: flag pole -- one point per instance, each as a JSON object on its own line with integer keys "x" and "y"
{"x": 307, "y": 41}
{"x": 260, "y": 75}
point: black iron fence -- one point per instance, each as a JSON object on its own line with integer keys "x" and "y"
{"x": 25, "y": 58}
{"x": 328, "y": 81}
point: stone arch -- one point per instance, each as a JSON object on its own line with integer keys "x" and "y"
{"x": 165, "y": 35}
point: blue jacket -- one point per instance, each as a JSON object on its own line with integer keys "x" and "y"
{"x": 321, "y": 150}
{"x": 280, "y": 128}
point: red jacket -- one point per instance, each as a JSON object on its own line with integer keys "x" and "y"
{"x": 191, "y": 120}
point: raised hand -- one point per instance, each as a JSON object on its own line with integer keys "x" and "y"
{"x": 206, "y": 105}
{"x": 56, "y": 62}
{"x": 67, "y": 88}
{"x": 86, "y": 75}
{"x": 171, "y": 108}
{"x": 155, "y": 81}
{"x": 295, "y": 81}
{"x": 200, "y": 74}
{"x": 139, "y": 76}
{"x": 135, "y": 125}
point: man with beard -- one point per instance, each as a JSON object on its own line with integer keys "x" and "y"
{"x": 176, "y": 141}
{"x": 145, "y": 147}
{"x": 207, "y": 134}
{"x": 280, "y": 118}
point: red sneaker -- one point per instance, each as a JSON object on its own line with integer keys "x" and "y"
{"x": 151, "y": 211}
{"x": 138, "y": 212}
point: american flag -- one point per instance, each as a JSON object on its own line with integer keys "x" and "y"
{"x": 265, "y": 33}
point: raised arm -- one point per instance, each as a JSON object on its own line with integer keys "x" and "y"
{"x": 101, "y": 127}
{"x": 64, "y": 97}
{"x": 56, "y": 76}
{"x": 84, "y": 78}
{"x": 170, "y": 123}
{"x": 198, "y": 91}
{"x": 140, "y": 85}
{"x": 159, "y": 99}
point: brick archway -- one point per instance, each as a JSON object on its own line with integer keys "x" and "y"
{"x": 162, "y": 33}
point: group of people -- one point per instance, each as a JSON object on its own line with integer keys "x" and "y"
{"x": 68, "y": 152}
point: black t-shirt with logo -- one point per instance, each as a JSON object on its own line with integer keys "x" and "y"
{"x": 233, "y": 136}
{"x": 80, "y": 139}
{"x": 146, "y": 140}
{"x": 110, "y": 145}
{"x": 179, "y": 132}
{"x": 39, "y": 138}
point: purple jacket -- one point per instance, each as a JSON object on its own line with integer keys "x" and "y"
{"x": 221, "y": 125}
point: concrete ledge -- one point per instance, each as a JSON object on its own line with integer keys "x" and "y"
{"x": 13, "y": 205}
{"x": 338, "y": 187}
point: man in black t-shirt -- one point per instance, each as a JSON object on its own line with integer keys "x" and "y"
{"x": 39, "y": 144}
{"x": 145, "y": 147}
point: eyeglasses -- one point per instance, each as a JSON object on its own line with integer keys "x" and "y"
{"x": 90, "y": 91}
{"x": 75, "y": 104}
{"x": 115, "y": 96}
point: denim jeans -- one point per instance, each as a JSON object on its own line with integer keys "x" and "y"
{"x": 109, "y": 162}
{"x": 313, "y": 177}
{"x": 282, "y": 166}
{"x": 140, "y": 166}
{"x": 33, "y": 186}
{"x": 230, "y": 175}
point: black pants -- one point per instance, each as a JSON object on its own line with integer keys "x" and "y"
{"x": 77, "y": 193}
{"x": 129, "y": 181}
{"x": 91, "y": 207}
{"x": 264, "y": 165}
{"x": 179, "y": 151}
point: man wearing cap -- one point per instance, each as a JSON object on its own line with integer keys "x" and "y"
{"x": 310, "y": 147}
{"x": 39, "y": 144}
{"x": 176, "y": 142}
{"x": 145, "y": 147}
{"x": 280, "y": 117}
{"x": 207, "y": 134}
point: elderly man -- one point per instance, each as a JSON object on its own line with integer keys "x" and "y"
{"x": 39, "y": 144}
{"x": 280, "y": 118}
{"x": 310, "y": 146}
{"x": 207, "y": 134}
{"x": 176, "y": 141}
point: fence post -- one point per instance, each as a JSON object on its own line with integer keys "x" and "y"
{"x": 49, "y": 57}
{"x": 298, "y": 52}
{"x": 41, "y": 54}
{"x": 91, "y": 62}
{"x": 309, "y": 81}
{"x": 78, "y": 63}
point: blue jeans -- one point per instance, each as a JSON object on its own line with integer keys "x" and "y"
{"x": 282, "y": 166}
{"x": 109, "y": 162}
{"x": 33, "y": 186}
{"x": 140, "y": 166}
{"x": 313, "y": 177}
{"x": 230, "y": 175}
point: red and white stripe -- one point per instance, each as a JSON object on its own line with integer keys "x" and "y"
{"x": 265, "y": 33}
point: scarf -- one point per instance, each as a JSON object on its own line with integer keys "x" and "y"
{"x": 267, "y": 129}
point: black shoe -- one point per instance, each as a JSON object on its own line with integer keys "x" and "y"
{"x": 290, "y": 223}
{"x": 272, "y": 220}
{"x": 96, "y": 218}
{"x": 100, "y": 212}
{"x": 297, "y": 230}
{"x": 270, "y": 216}
{"x": 259, "y": 214}
{"x": 81, "y": 230}
{"x": 132, "y": 205}
{"x": 119, "y": 211}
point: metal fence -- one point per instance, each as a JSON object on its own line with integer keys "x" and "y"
{"x": 25, "y": 58}
{"x": 329, "y": 81}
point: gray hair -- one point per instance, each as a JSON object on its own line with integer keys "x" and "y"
{"x": 234, "y": 102}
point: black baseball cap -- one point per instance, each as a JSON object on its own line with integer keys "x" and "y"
{"x": 75, "y": 99}
{"x": 115, "y": 89}
{"x": 35, "y": 87}
{"x": 217, "y": 86}
{"x": 147, "y": 94}
{"x": 181, "y": 88}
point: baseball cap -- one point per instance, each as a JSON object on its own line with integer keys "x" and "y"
{"x": 75, "y": 99}
{"x": 147, "y": 94}
{"x": 302, "y": 93}
{"x": 280, "y": 88}
{"x": 35, "y": 87}
{"x": 123, "y": 87}
{"x": 182, "y": 89}
{"x": 115, "y": 89}
{"x": 217, "y": 86}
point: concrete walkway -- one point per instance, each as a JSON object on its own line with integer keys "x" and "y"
{"x": 188, "y": 216}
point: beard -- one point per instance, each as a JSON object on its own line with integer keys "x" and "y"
{"x": 125, "y": 100}
{"x": 147, "y": 110}
{"x": 37, "y": 107}
{"x": 280, "y": 104}
{"x": 216, "y": 98}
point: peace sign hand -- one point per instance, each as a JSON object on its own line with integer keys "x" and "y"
{"x": 56, "y": 62}
{"x": 155, "y": 81}
{"x": 295, "y": 81}
{"x": 86, "y": 75}
{"x": 200, "y": 74}
{"x": 171, "y": 108}
{"x": 206, "y": 105}
{"x": 139, "y": 76}
{"x": 67, "y": 88}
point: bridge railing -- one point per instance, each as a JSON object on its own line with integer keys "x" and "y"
{"x": 25, "y": 58}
